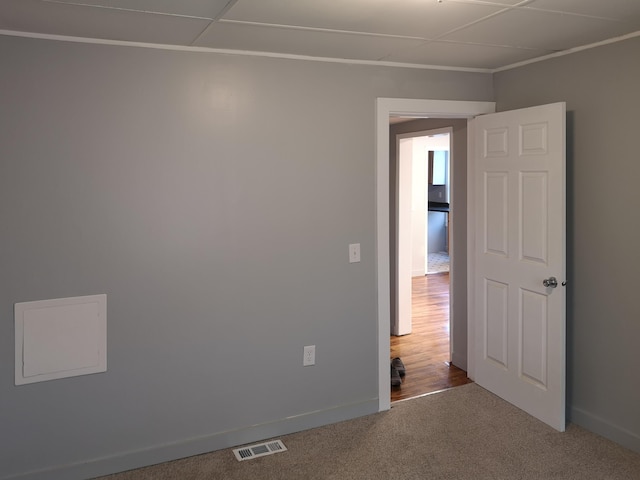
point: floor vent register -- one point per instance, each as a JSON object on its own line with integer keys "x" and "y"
{"x": 259, "y": 450}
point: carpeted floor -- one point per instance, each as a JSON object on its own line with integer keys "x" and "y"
{"x": 462, "y": 433}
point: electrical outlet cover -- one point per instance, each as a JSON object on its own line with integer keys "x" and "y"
{"x": 309, "y": 357}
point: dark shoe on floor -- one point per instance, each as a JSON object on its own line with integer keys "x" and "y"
{"x": 396, "y": 381}
{"x": 399, "y": 366}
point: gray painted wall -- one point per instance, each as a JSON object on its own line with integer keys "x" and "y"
{"x": 600, "y": 87}
{"x": 212, "y": 198}
{"x": 457, "y": 217}
{"x": 437, "y": 241}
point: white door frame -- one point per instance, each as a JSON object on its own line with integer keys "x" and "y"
{"x": 418, "y": 108}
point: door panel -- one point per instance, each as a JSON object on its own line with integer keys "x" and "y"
{"x": 495, "y": 209}
{"x": 534, "y": 317}
{"x": 497, "y": 295}
{"x": 519, "y": 167}
{"x": 533, "y": 214}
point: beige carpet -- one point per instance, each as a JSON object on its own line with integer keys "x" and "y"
{"x": 462, "y": 433}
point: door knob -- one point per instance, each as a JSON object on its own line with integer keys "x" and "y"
{"x": 550, "y": 282}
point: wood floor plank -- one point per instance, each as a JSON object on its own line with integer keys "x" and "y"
{"x": 425, "y": 351}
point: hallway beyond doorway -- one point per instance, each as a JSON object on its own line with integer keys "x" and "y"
{"x": 425, "y": 351}
{"x": 438, "y": 263}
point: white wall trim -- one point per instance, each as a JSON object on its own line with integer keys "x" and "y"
{"x": 188, "y": 48}
{"x": 603, "y": 427}
{"x": 562, "y": 53}
{"x": 471, "y": 248}
{"x": 418, "y": 108}
{"x": 226, "y": 51}
{"x": 188, "y": 447}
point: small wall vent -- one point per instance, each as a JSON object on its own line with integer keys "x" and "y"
{"x": 259, "y": 450}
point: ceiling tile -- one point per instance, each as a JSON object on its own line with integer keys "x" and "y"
{"x": 456, "y": 33}
{"x": 417, "y": 18}
{"x": 301, "y": 42}
{"x": 625, "y": 10}
{"x": 539, "y": 29}
{"x": 79, "y": 21}
{"x": 190, "y": 8}
{"x": 464, "y": 55}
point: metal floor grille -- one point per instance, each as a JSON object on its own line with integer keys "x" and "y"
{"x": 259, "y": 450}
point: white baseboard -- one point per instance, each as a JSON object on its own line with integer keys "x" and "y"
{"x": 605, "y": 428}
{"x": 195, "y": 446}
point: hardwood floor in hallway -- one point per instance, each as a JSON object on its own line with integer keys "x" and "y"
{"x": 425, "y": 351}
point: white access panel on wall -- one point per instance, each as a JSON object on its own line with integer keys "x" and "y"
{"x": 60, "y": 338}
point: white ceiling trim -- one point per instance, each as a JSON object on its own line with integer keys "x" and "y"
{"x": 569, "y": 14}
{"x": 460, "y": 42}
{"x": 318, "y": 29}
{"x": 184, "y": 48}
{"x": 567, "y": 52}
{"x": 109, "y": 7}
{"x": 525, "y": 5}
{"x": 504, "y": 6}
{"x": 375, "y": 63}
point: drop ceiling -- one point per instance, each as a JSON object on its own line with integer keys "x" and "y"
{"x": 452, "y": 34}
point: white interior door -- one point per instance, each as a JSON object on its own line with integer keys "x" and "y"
{"x": 519, "y": 216}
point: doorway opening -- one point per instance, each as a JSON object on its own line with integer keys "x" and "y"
{"x": 425, "y": 351}
{"x": 385, "y": 204}
{"x": 420, "y": 213}
{"x": 421, "y": 327}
